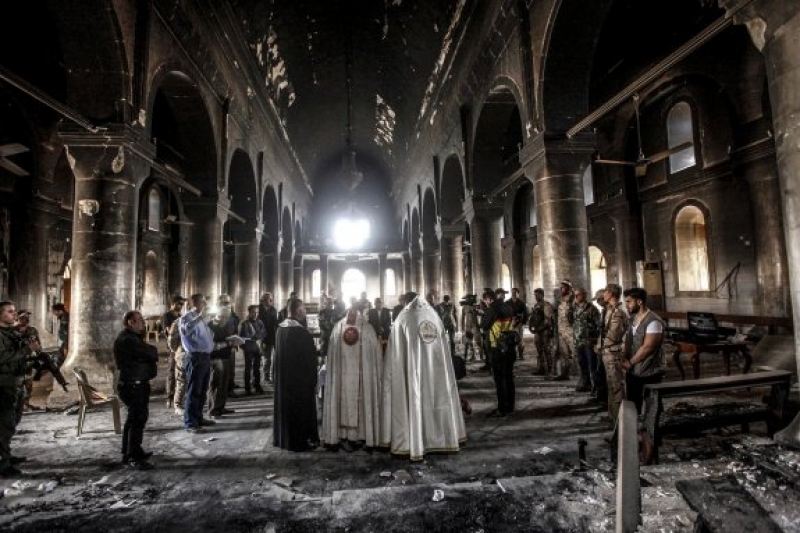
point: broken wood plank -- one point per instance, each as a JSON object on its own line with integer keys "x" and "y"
{"x": 724, "y": 506}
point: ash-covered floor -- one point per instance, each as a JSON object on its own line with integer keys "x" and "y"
{"x": 519, "y": 473}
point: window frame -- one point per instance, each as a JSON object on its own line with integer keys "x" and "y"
{"x": 710, "y": 292}
{"x": 694, "y": 140}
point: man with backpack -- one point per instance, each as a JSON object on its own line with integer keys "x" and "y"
{"x": 497, "y": 325}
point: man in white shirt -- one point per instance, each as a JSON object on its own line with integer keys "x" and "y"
{"x": 643, "y": 358}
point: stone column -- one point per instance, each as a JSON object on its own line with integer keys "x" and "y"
{"x": 286, "y": 274}
{"x": 775, "y": 29}
{"x": 452, "y": 263}
{"x": 205, "y": 261}
{"x": 629, "y": 246}
{"x": 757, "y": 165}
{"x": 432, "y": 264}
{"x": 270, "y": 267}
{"x": 323, "y": 274}
{"x": 556, "y": 169}
{"x": 487, "y": 252}
{"x": 406, "y": 258}
{"x": 108, "y": 171}
{"x": 297, "y": 280}
{"x": 382, "y": 277}
{"x": 417, "y": 273}
{"x": 245, "y": 288}
{"x": 30, "y": 265}
{"x": 179, "y": 264}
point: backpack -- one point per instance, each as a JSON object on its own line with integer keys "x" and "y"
{"x": 508, "y": 340}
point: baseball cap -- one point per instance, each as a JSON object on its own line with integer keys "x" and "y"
{"x": 599, "y": 294}
{"x": 22, "y": 313}
{"x": 178, "y": 299}
{"x": 566, "y": 282}
{"x": 224, "y": 299}
{"x": 500, "y": 290}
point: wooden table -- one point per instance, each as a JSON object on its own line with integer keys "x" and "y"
{"x": 725, "y": 348}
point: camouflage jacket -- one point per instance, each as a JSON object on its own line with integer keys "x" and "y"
{"x": 542, "y": 318}
{"x": 586, "y": 327}
{"x": 13, "y": 357}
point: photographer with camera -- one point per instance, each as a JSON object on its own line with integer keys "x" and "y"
{"x": 497, "y": 327}
{"x": 14, "y": 353}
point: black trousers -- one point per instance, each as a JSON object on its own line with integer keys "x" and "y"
{"x": 503, "y": 372}
{"x": 252, "y": 365}
{"x": 634, "y": 386}
{"x": 136, "y": 397}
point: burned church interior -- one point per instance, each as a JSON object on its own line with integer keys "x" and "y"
{"x": 152, "y": 150}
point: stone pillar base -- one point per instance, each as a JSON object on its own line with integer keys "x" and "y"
{"x": 790, "y": 435}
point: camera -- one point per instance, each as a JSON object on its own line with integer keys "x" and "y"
{"x": 469, "y": 299}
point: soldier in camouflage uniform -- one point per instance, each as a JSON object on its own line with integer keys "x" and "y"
{"x": 14, "y": 353}
{"x": 585, "y": 329}
{"x": 611, "y": 347}
{"x": 542, "y": 324}
{"x": 471, "y": 330}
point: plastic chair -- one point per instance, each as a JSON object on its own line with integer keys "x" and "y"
{"x": 93, "y": 399}
{"x": 151, "y": 330}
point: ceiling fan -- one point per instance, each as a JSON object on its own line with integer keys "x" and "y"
{"x": 7, "y": 150}
{"x": 640, "y": 165}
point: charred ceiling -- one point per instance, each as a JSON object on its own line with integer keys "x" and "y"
{"x": 347, "y": 68}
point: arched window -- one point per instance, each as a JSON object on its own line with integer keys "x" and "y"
{"x": 537, "y": 268}
{"x": 691, "y": 249}
{"x": 390, "y": 282}
{"x": 316, "y": 283}
{"x": 353, "y": 284}
{"x": 151, "y": 299}
{"x": 588, "y": 186}
{"x": 597, "y": 269}
{"x": 154, "y": 210}
{"x": 505, "y": 281}
{"x": 680, "y": 130}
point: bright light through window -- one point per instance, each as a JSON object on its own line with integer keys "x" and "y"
{"x": 350, "y": 234}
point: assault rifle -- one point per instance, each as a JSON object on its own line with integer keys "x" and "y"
{"x": 43, "y": 362}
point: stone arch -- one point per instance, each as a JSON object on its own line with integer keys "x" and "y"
{"x": 287, "y": 252}
{"x": 691, "y": 234}
{"x": 241, "y": 251}
{"x": 566, "y": 70}
{"x": 431, "y": 250}
{"x": 182, "y": 131}
{"x": 453, "y": 188}
{"x": 497, "y": 139}
{"x": 270, "y": 265}
{"x": 520, "y": 228}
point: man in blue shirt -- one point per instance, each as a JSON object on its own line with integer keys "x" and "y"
{"x": 198, "y": 342}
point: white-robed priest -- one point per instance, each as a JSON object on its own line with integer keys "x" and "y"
{"x": 354, "y": 366}
{"x": 421, "y": 410}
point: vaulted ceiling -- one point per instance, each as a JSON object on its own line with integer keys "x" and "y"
{"x": 391, "y": 47}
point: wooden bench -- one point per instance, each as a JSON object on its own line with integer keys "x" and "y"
{"x": 773, "y": 413}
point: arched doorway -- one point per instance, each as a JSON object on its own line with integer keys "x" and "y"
{"x": 597, "y": 269}
{"x": 354, "y": 282}
{"x": 152, "y": 295}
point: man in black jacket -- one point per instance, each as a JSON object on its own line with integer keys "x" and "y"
{"x": 268, "y": 315}
{"x": 137, "y": 364}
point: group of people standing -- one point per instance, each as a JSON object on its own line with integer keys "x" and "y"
{"x": 617, "y": 343}
{"x": 404, "y": 399}
{"x": 22, "y": 362}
